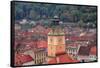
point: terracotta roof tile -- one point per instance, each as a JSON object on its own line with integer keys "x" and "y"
{"x": 93, "y": 50}
{"x": 52, "y": 61}
{"x": 22, "y": 58}
{"x": 62, "y": 59}
{"x": 66, "y": 59}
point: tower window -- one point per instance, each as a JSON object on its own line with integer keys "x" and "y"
{"x": 59, "y": 40}
{"x": 51, "y": 40}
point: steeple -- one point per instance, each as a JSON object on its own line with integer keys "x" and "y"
{"x": 55, "y": 26}
{"x": 55, "y": 21}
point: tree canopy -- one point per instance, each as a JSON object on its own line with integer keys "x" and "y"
{"x": 67, "y": 13}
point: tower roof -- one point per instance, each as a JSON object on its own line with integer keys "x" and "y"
{"x": 55, "y": 21}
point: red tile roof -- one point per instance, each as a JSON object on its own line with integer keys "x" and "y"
{"x": 41, "y": 30}
{"x": 80, "y": 37}
{"x": 62, "y": 59}
{"x": 53, "y": 61}
{"x": 42, "y": 44}
{"x": 66, "y": 59}
{"x": 93, "y": 50}
{"x": 22, "y": 58}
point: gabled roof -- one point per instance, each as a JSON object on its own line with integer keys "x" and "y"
{"x": 84, "y": 50}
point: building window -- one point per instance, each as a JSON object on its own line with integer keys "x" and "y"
{"x": 35, "y": 61}
{"x": 51, "y": 40}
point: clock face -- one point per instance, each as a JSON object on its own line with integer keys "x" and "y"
{"x": 59, "y": 40}
{"x": 56, "y": 40}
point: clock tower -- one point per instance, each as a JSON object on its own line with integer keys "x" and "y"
{"x": 56, "y": 39}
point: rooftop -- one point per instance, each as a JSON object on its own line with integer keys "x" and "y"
{"x": 62, "y": 59}
{"x": 22, "y": 58}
